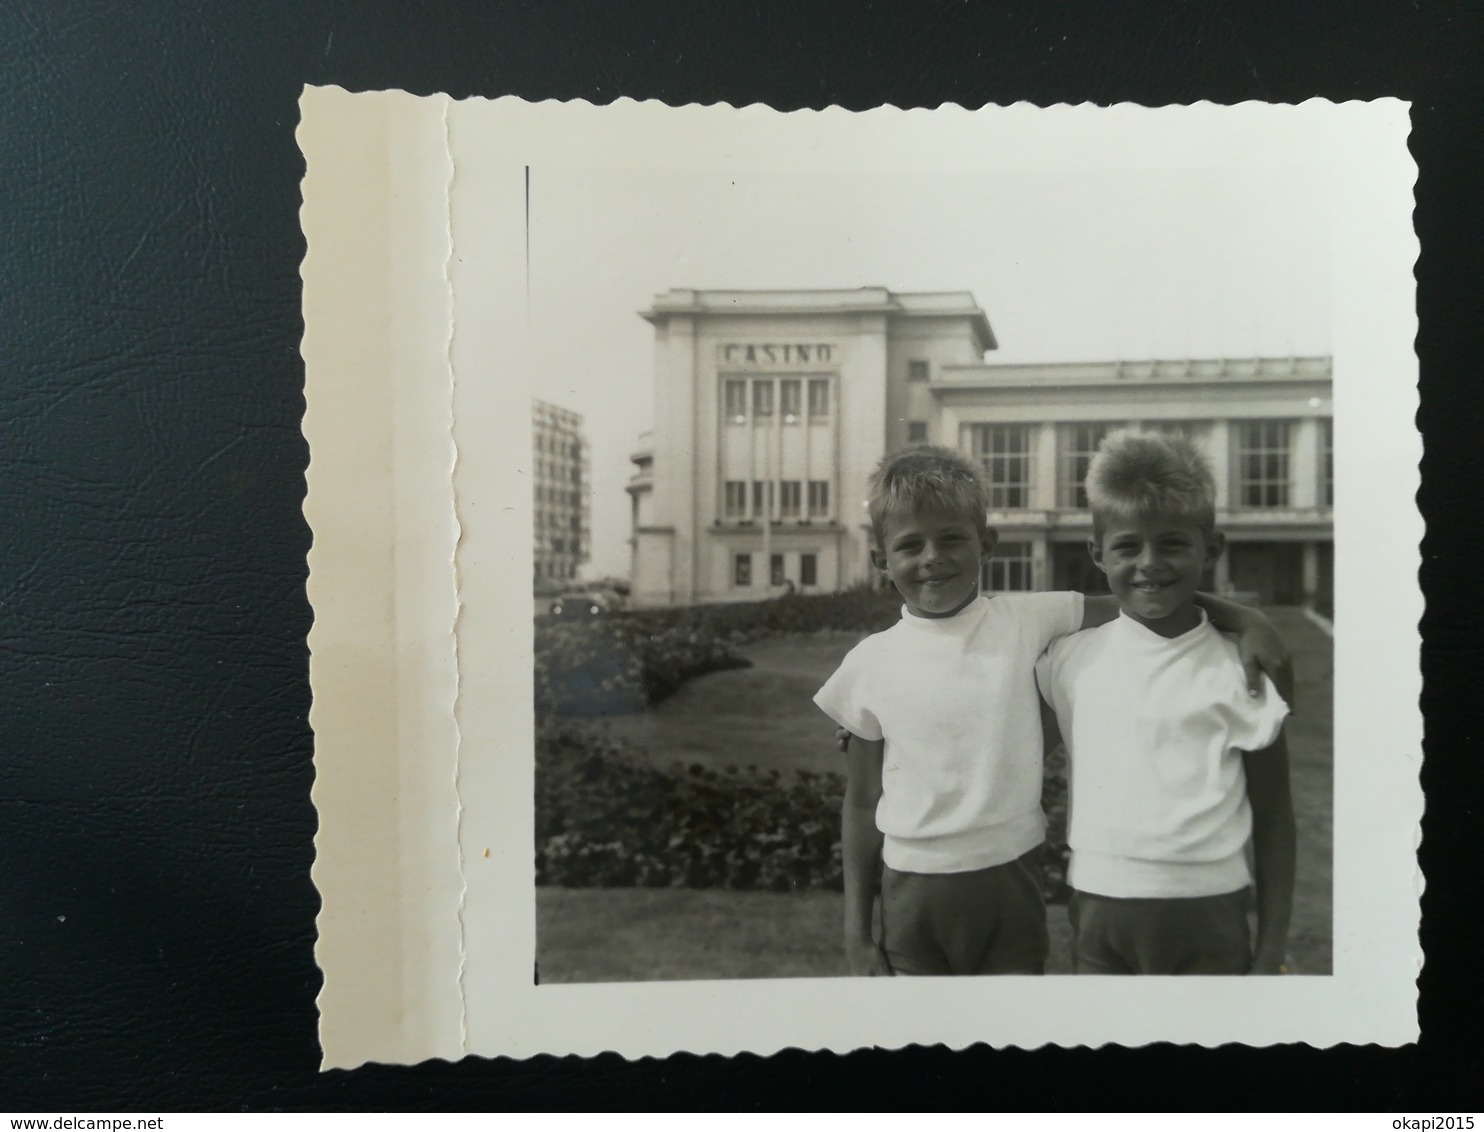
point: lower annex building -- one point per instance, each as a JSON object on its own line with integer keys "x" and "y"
{"x": 772, "y": 408}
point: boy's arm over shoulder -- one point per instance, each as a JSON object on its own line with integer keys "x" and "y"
{"x": 1261, "y": 648}
{"x": 1256, "y": 718}
{"x": 1052, "y": 615}
{"x": 1098, "y": 610}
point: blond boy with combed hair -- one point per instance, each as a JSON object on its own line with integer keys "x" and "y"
{"x": 1174, "y": 765}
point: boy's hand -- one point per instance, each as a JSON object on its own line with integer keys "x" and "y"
{"x": 842, "y": 739}
{"x": 865, "y": 957}
{"x": 1262, "y": 650}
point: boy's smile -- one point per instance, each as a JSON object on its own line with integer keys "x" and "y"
{"x": 933, "y": 559}
{"x": 1154, "y": 565}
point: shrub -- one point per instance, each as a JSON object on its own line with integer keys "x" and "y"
{"x": 862, "y": 610}
{"x": 1055, "y": 854}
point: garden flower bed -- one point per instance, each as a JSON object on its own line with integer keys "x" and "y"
{"x": 606, "y": 818}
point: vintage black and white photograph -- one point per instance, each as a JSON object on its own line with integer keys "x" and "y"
{"x": 733, "y": 374}
{"x": 926, "y": 537}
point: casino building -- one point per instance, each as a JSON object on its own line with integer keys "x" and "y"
{"x": 772, "y": 407}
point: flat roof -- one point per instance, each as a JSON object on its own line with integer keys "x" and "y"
{"x": 859, "y": 300}
{"x": 1165, "y": 371}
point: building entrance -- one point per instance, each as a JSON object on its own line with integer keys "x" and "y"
{"x": 1072, "y": 568}
{"x": 1273, "y": 571}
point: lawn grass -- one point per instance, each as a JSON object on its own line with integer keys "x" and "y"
{"x": 764, "y": 716}
{"x": 607, "y": 935}
{"x": 1311, "y": 776}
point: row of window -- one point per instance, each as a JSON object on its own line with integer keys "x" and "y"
{"x": 784, "y": 499}
{"x": 550, "y": 521}
{"x": 555, "y": 470}
{"x": 545, "y": 494}
{"x": 758, "y": 397}
{"x": 1262, "y": 460}
{"x": 742, "y": 569}
{"x": 1010, "y": 570}
{"x": 558, "y": 446}
{"x": 762, "y": 395}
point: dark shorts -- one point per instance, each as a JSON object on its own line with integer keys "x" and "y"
{"x": 986, "y": 922}
{"x": 1197, "y": 935}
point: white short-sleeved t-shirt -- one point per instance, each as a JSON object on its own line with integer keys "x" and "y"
{"x": 955, "y": 699}
{"x": 1155, "y": 728}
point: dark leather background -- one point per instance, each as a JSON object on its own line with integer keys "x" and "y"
{"x": 156, "y": 913}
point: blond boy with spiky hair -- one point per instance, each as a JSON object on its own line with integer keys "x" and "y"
{"x": 1174, "y": 766}
{"x": 942, "y": 811}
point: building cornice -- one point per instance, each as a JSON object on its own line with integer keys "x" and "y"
{"x": 1183, "y": 373}
{"x": 864, "y": 300}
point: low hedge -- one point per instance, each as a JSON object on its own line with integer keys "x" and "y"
{"x": 860, "y": 610}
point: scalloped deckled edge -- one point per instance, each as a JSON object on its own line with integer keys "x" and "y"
{"x": 401, "y": 945}
{"x": 767, "y": 1048}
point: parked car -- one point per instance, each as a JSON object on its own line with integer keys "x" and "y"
{"x": 585, "y": 603}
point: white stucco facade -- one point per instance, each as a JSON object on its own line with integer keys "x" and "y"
{"x": 771, "y": 409}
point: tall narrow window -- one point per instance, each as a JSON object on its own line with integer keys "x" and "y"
{"x": 1078, "y": 442}
{"x": 736, "y": 499}
{"x": 808, "y": 570}
{"x": 775, "y": 569}
{"x": 789, "y": 493}
{"x": 1011, "y": 570}
{"x": 1262, "y": 464}
{"x": 819, "y": 397}
{"x": 735, "y": 395}
{"x": 1328, "y": 470}
{"x": 917, "y": 370}
{"x": 762, "y": 499}
{"x": 791, "y": 399}
{"x": 1004, "y": 451}
{"x": 742, "y": 570}
{"x": 917, "y": 432}
{"x": 819, "y": 499}
{"x": 762, "y": 398}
